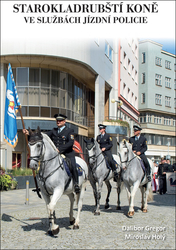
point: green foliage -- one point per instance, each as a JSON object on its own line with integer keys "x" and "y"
{"x": 5, "y": 182}
{"x": 20, "y": 172}
{"x": 14, "y": 184}
{"x": 122, "y": 123}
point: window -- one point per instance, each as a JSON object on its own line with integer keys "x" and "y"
{"x": 175, "y": 67}
{"x": 157, "y": 119}
{"x": 167, "y": 121}
{"x": 110, "y": 54}
{"x": 175, "y": 103}
{"x": 158, "y": 61}
{"x": 143, "y": 57}
{"x": 158, "y": 80}
{"x": 143, "y": 98}
{"x": 167, "y": 65}
{"x": 167, "y": 101}
{"x": 106, "y": 49}
{"x": 158, "y": 99}
{"x": 167, "y": 82}
{"x": 143, "y": 77}
{"x": 174, "y": 121}
{"x": 175, "y": 84}
{"x": 16, "y": 160}
{"x": 33, "y": 77}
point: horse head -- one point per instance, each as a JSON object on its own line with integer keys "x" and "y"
{"x": 91, "y": 148}
{"x": 126, "y": 153}
{"x": 36, "y": 147}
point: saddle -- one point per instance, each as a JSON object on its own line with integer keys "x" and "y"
{"x": 108, "y": 163}
{"x": 142, "y": 164}
{"x": 68, "y": 167}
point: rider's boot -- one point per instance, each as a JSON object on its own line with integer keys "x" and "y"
{"x": 115, "y": 176}
{"x": 148, "y": 175}
{"x": 75, "y": 181}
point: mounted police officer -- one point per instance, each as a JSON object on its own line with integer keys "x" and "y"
{"x": 106, "y": 144}
{"x": 139, "y": 146}
{"x": 63, "y": 139}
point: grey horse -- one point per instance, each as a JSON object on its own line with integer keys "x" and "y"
{"x": 99, "y": 172}
{"x": 53, "y": 177}
{"x": 134, "y": 177}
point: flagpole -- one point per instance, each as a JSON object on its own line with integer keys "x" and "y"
{"x": 34, "y": 175}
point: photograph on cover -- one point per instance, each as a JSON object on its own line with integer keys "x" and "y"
{"x": 88, "y": 110}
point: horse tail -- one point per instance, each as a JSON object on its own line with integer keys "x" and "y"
{"x": 150, "y": 195}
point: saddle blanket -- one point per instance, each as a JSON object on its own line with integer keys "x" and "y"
{"x": 78, "y": 167}
{"x": 142, "y": 163}
{"x": 107, "y": 163}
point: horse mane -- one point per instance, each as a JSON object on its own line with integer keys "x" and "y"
{"x": 97, "y": 145}
{"x": 46, "y": 137}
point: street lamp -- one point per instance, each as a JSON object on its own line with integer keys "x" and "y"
{"x": 119, "y": 104}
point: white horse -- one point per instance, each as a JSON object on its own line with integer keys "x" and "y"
{"x": 53, "y": 179}
{"x": 134, "y": 177}
{"x": 99, "y": 172}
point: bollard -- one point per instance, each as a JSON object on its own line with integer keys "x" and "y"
{"x": 27, "y": 192}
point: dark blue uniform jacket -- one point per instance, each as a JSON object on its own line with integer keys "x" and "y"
{"x": 139, "y": 145}
{"x": 63, "y": 141}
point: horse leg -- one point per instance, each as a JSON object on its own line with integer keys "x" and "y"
{"x": 142, "y": 188}
{"x": 72, "y": 199}
{"x": 131, "y": 207}
{"x": 118, "y": 193}
{"x": 53, "y": 229}
{"x": 100, "y": 184}
{"x": 80, "y": 202}
{"x": 109, "y": 187}
{"x": 94, "y": 187}
{"x": 147, "y": 192}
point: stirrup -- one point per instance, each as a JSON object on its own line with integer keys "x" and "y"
{"x": 77, "y": 189}
{"x": 148, "y": 177}
{"x": 115, "y": 176}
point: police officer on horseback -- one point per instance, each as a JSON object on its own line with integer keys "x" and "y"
{"x": 139, "y": 146}
{"x": 106, "y": 144}
{"x": 63, "y": 139}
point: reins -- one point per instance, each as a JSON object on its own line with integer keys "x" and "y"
{"x": 41, "y": 171}
{"x": 127, "y": 161}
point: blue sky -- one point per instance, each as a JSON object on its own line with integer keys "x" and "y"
{"x": 168, "y": 44}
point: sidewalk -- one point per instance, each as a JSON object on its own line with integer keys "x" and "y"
{"x": 15, "y": 200}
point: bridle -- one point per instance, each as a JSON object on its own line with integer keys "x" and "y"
{"x": 127, "y": 160}
{"x": 38, "y": 159}
{"x": 95, "y": 158}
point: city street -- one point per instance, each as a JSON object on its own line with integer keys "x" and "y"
{"x": 25, "y": 226}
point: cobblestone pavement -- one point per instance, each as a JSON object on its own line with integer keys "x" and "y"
{"x": 25, "y": 226}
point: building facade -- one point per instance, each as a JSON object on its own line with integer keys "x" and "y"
{"x": 76, "y": 78}
{"x": 157, "y": 99}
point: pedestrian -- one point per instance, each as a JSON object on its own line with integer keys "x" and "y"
{"x": 163, "y": 168}
{"x": 105, "y": 141}
{"x": 155, "y": 182}
{"x": 63, "y": 139}
{"x": 139, "y": 147}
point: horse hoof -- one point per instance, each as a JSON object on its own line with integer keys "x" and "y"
{"x": 118, "y": 208}
{"x": 144, "y": 210}
{"x": 75, "y": 227}
{"x": 72, "y": 222}
{"x": 53, "y": 232}
{"x": 131, "y": 213}
{"x": 96, "y": 213}
{"x": 106, "y": 206}
{"x": 50, "y": 233}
